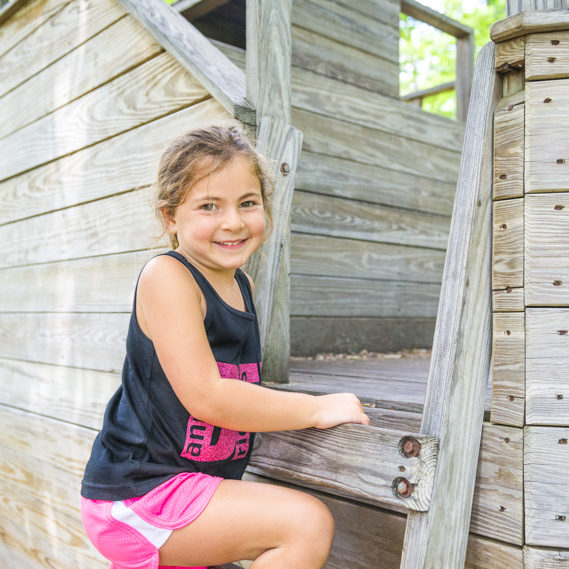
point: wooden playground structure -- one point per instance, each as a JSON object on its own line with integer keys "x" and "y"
{"x": 455, "y": 470}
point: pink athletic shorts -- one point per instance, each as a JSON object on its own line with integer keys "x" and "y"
{"x": 130, "y": 533}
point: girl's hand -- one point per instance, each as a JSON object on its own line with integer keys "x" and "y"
{"x": 338, "y": 408}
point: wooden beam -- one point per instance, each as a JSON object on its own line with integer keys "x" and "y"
{"x": 8, "y": 10}
{"x": 516, "y": 6}
{"x": 525, "y": 23}
{"x": 454, "y": 404}
{"x": 196, "y": 53}
{"x": 436, "y": 19}
{"x": 312, "y": 455}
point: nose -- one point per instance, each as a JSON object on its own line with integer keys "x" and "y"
{"x": 232, "y": 220}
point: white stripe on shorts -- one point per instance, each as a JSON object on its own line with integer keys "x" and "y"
{"x": 156, "y": 536}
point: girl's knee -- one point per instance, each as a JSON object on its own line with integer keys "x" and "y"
{"x": 317, "y": 527}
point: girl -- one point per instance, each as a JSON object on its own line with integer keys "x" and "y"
{"x": 162, "y": 486}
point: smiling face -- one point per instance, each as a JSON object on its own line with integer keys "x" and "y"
{"x": 221, "y": 223}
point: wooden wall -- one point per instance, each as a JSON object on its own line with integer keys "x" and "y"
{"x": 531, "y": 275}
{"x": 374, "y": 186}
{"x": 88, "y": 100}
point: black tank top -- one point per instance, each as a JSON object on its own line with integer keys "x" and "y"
{"x": 148, "y": 436}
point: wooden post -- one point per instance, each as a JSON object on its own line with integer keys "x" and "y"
{"x": 268, "y": 88}
{"x": 454, "y": 404}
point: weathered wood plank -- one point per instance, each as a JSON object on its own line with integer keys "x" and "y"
{"x": 122, "y": 223}
{"x": 497, "y": 507}
{"x": 74, "y": 24}
{"x": 195, "y": 53}
{"x": 547, "y": 136}
{"x": 332, "y": 256}
{"x": 341, "y": 177}
{"x": 547, "y": 55}
{"x": 508, "y": 244}
{"x": 33, "y": 193}
{"x": 69, "y": 394}
{"x": 535, "y": 16}
{"x": 91, "y": 341}
{"x": 325, "y": 215}
{"x": 509, "y": 146}
{"x": 40, "y": 507}
{"x": 85, "y": 68}
{"x": 321, "y": 459}
{"x": 433, "y": 18}
{"x": 95, "y": 284}
{"x": 546, "y": 463}
{"x": 547, "y": 361}
{"x": 508, "y": 369}
{"x": 513, "y": 84}
{"x": 21, "y": 17}
{"x": 269, "y": 58}
{"x": 508, "y": 300}
{"x": 315, "y": 335}
{"x": 349, "y": 297}
{"x": 157, "y": 88}
{"x": 461, "y": 348}
{"x": 325, "y": 135}
{"x": 323, "y": 95}
{"x": 510, "y": 55}
{"x": 344, "y": 23}
{"x": 344, "y": 62}
{"x": 535, "y": 558}
{"x": 547, "y": 250}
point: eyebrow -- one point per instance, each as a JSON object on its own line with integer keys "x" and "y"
{"x": 216, "y": 199}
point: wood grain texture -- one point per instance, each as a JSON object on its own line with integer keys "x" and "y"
{"x": 513, "y": 83}
{"x": 336, "y": 217}
{"x": 324, "y": 460}
{"x": 546, "y": 463}
{"x": 74, "y": 24}
{"x": 69, "y": 394}
{"x": 343, "y": 22}
{"x": 328, "y": 136}
{"x": 156, "y": 88}
{"x": 508, "y": 300}
{"x": 508, "y": 244}
{"x": 539, "y": 558}
{"x": 33, "y": 193}
{"x": 508, "y": 368}
{"x": 530, "y": 16}
{"x": 547, "y": 136}
{"x": 343, "y": 62}
{"x": 90, "y": 341}
{"x": 349, "y": 297}
{"x": 40, "y": 513}
{"x": 83, "y": 69}
{"x": 547, "y": 55}
{"x": 509, "y": 144}
{"x": 195, "y": 53}
{"x": 341, "y": 177}
{"x": 547, "y": 250}
{"x": 21, "y": 17}
{"x": 269, "y": 58}
{"x": 332, "y": 256}
{"x": 547, "y": 361}
{"x": 94, "y": 284}
{"x": 461, "y": 346}
{"x": 510, "y": 55}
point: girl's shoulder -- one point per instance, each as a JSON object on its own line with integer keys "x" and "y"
{"x": 251, "y": 283}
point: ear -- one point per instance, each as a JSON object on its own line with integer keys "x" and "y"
{"x": 168, "y": 217}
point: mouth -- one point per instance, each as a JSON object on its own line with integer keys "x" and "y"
{"x": 234, "y": 244}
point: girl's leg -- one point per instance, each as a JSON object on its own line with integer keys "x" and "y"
{"x": 277, "y": 527}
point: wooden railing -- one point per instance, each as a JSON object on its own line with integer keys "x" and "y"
{"x": 464, "y": 56}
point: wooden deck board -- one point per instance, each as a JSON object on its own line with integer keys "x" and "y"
{"x": 397, "y": 383}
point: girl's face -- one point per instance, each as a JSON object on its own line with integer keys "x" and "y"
{"x": 221, "y": 223}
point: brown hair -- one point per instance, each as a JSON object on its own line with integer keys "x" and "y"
{"x": 197, "y": 154}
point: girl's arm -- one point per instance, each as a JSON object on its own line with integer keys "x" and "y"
{"x": 170, "y": 302}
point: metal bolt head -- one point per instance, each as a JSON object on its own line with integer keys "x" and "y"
{"x": 409, "y": 447}
{"x": 402, "y": 487}
{"x": 285, "y": 169}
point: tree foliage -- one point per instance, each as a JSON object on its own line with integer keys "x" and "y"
{"x": 428, "y": 56}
